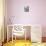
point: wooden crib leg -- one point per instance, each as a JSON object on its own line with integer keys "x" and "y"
{"x": 25, "y": 36}
{"x": 12, "y": 36}
{"x": 7, "y": 34}
{"x": 15, "y": 38}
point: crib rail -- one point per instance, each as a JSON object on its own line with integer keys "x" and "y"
{"x": 17, "y": 30}
{"x": 30, "y": 32}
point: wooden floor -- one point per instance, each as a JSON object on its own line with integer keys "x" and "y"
{"x": 18, "y": 43}
{"x": 23, "y": 43}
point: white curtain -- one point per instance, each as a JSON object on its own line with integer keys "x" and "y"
{"x": 1, "y": 20}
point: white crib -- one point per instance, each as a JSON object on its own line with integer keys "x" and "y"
{"x": 35, "y": 32}
{"x": 17, "y": 30}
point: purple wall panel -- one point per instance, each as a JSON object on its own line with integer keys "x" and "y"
{"x": 36, "y": 14}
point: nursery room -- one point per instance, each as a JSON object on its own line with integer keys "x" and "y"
{"x": 22, "y": 22}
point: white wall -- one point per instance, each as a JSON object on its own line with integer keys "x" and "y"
{"x": 36, "y": 15}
